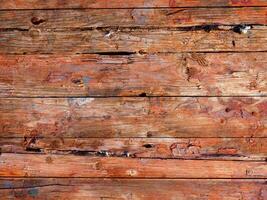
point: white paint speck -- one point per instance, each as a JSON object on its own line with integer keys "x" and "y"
{"x": 80, "y": 101}
{"x": 245, "y": 29}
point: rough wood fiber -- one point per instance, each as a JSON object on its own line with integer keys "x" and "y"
{"x": 187, "y": 74}
{"x": 133, "y": 117}
{"x": 191, "y": 148}
{"x": 33, "y": 165}
{"x": 167, "y": 147}
{"x": 170, "y": 189}
{"x": 36, "y": 41}
{"x": 88, "y": 18}
{"x": 52, "y": 4}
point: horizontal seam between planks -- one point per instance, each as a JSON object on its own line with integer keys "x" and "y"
{"x": 159, "y": 179}
{"x": 130, "y": 97}
{"x": 143, "y": 158}
{"x": 40, "y": 137}
{"x": 137, "y": 158}
{"x": 130, "y": 178}
{"x": 146, "y": 53}
{"x": 124, "y": 8}
{"x": 189, "y": 28}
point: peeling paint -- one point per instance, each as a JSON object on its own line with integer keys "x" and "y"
{"x": 33, "y": 192}
{"x": 79, "y": 101}
{"x": 86, "y": 80}
{"x": 140, "y": 16}
{"x": 8, "y": 184}
{"x": 131, "y": 172}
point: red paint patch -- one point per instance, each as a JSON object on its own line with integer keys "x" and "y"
{"x": 241, "y": 2}
{"x": 183, "y": 19}
{"x": 172, "y": 3}
{"x": 234, "y": 1}
{"x": 226, "y": 151}
{"x": 262, "y": 107}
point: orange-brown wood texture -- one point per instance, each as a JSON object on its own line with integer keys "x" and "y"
{"x": 134, "y": 117}
{"x": 181, "y": 148}
{"x": 182, "y": 74}
{"x": 145, "y": 99}
{"x": 125, "y": 189}
{"x": 122, "y": 18}
{"x": 52, "y": 4}
{"x": 79, "y": 166}
{"x": 129, "y": 41}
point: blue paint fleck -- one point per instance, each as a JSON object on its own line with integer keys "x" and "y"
{"x": 86, "y": 80}
{"x": 8, "y": 184}
{"x": 33, "y": 192}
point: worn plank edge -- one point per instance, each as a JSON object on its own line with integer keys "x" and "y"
{"x": 81, "y": 4}
{"x": 76, "y": 166}
{"x": 166, "y": 148}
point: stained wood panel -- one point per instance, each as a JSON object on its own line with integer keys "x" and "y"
{"x": 145, "y": 18}
{"x": 37, "y": 41}
{"x": 52, "y": 4}
{"x": 179, "y": 148}
{"x": 133, "y": 99}
{"x": 133, "y": 117}
{"x": 80, "y": 189}
{"x": 79, "y": 166}
{"x": 187, "y": 74}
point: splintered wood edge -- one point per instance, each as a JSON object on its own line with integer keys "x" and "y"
{"x": 175, "y": 148}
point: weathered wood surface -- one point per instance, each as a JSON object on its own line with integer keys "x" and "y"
{"x": 191, "y": 148}
{"x": 57, "y": 4}
{"x": 170, "y": 189}
{"x": 69, "y": 123}
{"x": 35, "y": 165}
{"x": 168, "y": 17}
{"x": 37, "y": 41}
{"x": 187, "y": 74}
{"x": 133, "y": 117}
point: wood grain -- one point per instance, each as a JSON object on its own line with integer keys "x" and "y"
{"x": 37, "y": 41}
{"x": 191, "y": 148}
{"x": 187, "y": 74}
{"x": 146, "y": 18}
{"x": 145, "y": 99}
{"x": 52, "y": 4}
{"x": 133, "y": 117}
{"x": 33, "y": 165}
{"x": 80, "y": 189}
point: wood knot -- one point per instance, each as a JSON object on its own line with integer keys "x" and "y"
{"x": 49, "y": 160}
{"x": 148, "y": 146}
{"x": 37, "y": 21}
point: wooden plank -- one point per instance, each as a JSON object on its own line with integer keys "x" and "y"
{"x": 33, "y": 165}
{"x": 88, "y": 18}
{"x": 52, "y": 4}
{"x": 80, "y": 189}
{"x": 188, "y": 74}
{"x": 191, "y": 148}
{"x": 133, "y": 117}
{"x": 36, "y": 41}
